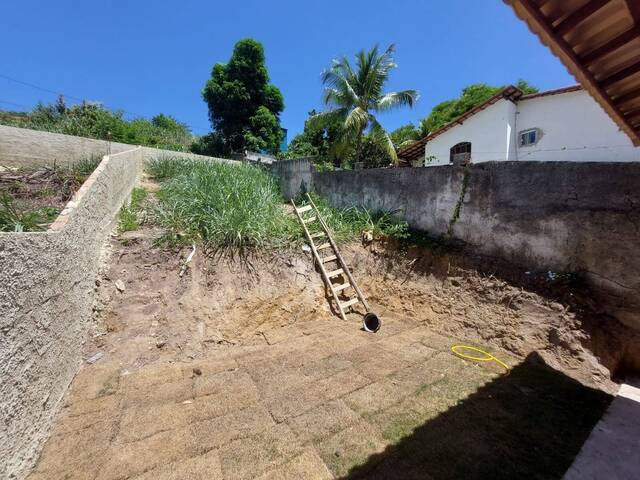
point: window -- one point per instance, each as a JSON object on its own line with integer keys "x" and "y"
{"x": 529, "y": 137}
{"x": 460, "y": 153}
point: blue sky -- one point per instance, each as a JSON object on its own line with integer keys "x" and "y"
{"x": 148, "y": 57}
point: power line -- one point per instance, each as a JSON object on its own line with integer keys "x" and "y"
{"x": 47, "y": 90}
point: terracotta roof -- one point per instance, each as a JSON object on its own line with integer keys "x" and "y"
{"x": 548, "y": 93}
{"x": 599, "y": 43}
{"x": 415, "y": 150}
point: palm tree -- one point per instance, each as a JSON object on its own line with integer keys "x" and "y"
{"x": 354, "y": 96}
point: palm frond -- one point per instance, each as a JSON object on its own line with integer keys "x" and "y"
{"x": 392, "y": 100}
{"x": 323, "y": 119}
{"x": 356, "y": 121}
{"x": 382, "y": 138}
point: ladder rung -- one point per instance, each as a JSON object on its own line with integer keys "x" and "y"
{"x": 309, "y": 220}
{"x": 323, "y": 246}
{"x": 348, "y": 303}
{"x": 306, "y": 208}
{"x": 318, "y": 235}
{"x": 330, "y": 258}
{"x": 340, "y": 287}
{"x": 335, "y": 273}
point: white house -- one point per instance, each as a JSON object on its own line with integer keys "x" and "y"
{"x": 557, "y": 125}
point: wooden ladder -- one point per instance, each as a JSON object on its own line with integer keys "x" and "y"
{"x": 330, "y": 247}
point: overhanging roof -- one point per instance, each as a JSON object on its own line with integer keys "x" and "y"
{"x": 599, "y": 43}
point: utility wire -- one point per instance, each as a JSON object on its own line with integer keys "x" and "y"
{"x": 72, "y": 97}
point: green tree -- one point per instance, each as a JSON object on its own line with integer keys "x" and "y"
{"x": 472, "y": 96}
{"x": 316, "y": 140}
{"x": 404, "y": 135}
{"x": 354, "y": 96}
{"x": 243, "y": 106}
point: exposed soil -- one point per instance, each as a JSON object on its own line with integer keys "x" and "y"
{"x": 239, "y": 369}
{"x": 226, "y": 302}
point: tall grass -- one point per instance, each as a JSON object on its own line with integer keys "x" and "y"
{"x": 219, "y": 204}
{"x": 239, "y": 205}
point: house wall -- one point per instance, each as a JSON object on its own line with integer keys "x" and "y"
{"x": 574, "y": 129}
{"x": 487, "y": 130}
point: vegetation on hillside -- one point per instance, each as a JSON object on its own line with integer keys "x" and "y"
{"x": 244, "y": 107}
{"x": 92, "y": 120}
{"x": 224, "y": 205}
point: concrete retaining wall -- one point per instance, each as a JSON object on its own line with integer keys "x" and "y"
{"x": 46, "y": 300}
{"x": 21, "y": 146}
{"x": 295, "y": 176}
{"x": 560, "y": 216}
{"x": 46, "y": 284}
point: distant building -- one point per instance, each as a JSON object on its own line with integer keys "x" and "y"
{"x": 284, "y": 143}
{"x": 565, "y": 124}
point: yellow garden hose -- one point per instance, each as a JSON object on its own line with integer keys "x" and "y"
{"x": 487, "y": 356}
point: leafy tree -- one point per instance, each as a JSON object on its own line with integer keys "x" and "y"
{"x": 316, "y": 140}
{"x": 243, "y": 105}
{"x": 526, "y": 87}
{"x": 404, "y": 135}
{"x": 354, "y": 96}
{"x": 472, "y": 96}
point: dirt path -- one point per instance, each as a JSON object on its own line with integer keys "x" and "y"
{"x": 238, "y": 371}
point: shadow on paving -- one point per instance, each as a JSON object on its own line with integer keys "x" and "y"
{"x": 528, "y": 424}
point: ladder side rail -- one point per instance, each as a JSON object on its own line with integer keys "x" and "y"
{"x": 319, "y": 261}
{"x": 340, "y": 259}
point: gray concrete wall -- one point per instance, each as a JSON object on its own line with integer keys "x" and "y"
{"x": 560, "y": 216}
{"x": 295, "y": 176}
{"x": 21, "y": 146}
{"x": 46, "y": 299}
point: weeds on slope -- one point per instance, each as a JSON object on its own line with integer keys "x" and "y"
{"x": 32, "y": 196}
{"x": 129, "y": 216}
{"x": 240, "y": 206}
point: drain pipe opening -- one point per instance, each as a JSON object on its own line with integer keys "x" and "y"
{"x": 371, "y": 323}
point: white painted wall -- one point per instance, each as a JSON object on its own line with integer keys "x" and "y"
{"x": 487, "y": 130}
{"x": 574, "y": 128}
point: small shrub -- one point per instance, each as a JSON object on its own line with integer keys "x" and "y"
{"x": 15, "y": 219}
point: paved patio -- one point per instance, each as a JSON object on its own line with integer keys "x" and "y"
{"x": 320, "y": 399}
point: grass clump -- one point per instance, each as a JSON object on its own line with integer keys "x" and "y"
{"x": 13, "y": 218}
{"x": 129, "y": 217}
{"x": 219, "y": 204}
{"x": 240, "y": 206}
